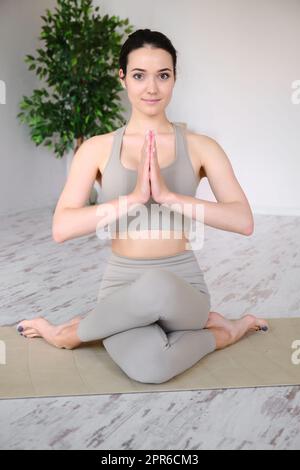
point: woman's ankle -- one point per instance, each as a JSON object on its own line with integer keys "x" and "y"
{"x": 222, "y": 336}
{"x": 67, "y": 337}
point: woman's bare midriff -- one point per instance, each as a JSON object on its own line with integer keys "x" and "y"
{"x": 149, "y": 248}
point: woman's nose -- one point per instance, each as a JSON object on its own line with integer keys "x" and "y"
{"x": 152, "y": 87}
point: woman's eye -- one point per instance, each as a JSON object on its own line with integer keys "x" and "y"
{"x": 140, "y": 74}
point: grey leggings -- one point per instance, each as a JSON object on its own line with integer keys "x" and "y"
{"x": 151, "y": 315}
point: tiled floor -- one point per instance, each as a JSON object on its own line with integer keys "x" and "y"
{"x": 258, "y": 274}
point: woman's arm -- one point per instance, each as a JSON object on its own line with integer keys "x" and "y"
{"x": 232, "y": 211}
{"x": 71, "y": 217}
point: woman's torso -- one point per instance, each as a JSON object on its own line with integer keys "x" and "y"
{"x": 119, "y": 156}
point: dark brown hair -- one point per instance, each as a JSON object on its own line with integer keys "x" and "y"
{"x": 142, "y": 37}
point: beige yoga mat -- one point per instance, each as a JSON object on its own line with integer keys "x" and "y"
{"x": 34, "y": 368}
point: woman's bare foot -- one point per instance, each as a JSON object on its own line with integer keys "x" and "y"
{"x": 27, "y": 328}
{"x": 61, "y": 336}
{"x": 215, "y": 319}
{"x": 230, "y": 331}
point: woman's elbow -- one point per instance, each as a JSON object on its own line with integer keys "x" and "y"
{"x": 56, "y": 235}
{"x": 57, "y": 232}
{"x": 248, "y": 230}
{"x": 248, "y": 227}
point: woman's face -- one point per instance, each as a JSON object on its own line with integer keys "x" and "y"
{"x": 154, "y": 79}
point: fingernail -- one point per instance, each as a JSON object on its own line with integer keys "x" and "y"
{"x": 20, "y": 328}
{"x": 264, "y": 328}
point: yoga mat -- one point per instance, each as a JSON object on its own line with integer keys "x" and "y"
{"x": 35, "y": 368}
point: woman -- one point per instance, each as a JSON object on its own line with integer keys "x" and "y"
{"x": 153, "y": 313}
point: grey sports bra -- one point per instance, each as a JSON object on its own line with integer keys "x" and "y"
{"x": 179, "y": 177}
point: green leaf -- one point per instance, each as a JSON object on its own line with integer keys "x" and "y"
{"x": 29, "y": 58}
{"x": 78, "y": 62}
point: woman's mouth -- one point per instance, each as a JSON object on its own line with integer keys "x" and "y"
{"x": 151, "y": 101}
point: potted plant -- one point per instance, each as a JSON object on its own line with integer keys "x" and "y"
{"x": 78, "y": 62}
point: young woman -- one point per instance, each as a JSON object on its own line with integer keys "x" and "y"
{"x": 153, "y": 313}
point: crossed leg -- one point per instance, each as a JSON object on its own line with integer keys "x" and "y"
{"x": 154, "y": 328}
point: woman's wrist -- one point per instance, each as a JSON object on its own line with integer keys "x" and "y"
{"x": 134, "y": 198}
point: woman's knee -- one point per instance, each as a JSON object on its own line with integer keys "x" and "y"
{"x": 154, "y": 366}
{"x": 155, "y": 372}
{"x": 141, "y": 357}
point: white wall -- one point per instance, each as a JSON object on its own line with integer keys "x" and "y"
{"x": 237, "y": 60}
{"x": 30, "y": 176}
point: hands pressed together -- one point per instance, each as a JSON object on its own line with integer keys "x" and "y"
{"x": 150, "y": 181}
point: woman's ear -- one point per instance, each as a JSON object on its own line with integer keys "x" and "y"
{"x": 121, "y": 77}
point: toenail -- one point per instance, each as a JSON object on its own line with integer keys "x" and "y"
{"x": 264, "y": 328}
{"x": 20, "y": 328}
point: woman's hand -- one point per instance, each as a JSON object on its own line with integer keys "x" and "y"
{"x": 142, "y": 191}
{"x": 159, "y": 190}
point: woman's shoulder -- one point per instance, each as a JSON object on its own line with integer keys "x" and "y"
{"x": 101, "y": 145}
{"x": 198, "y": 138}
{"x": 101, "y": 141}
{"x": 199, "y": 144}
{"x": 101, "y": 137}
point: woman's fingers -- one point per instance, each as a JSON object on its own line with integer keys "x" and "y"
{"x": 142, "y": 189}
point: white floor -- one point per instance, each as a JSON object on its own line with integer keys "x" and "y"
{"x": 258, "y": 274}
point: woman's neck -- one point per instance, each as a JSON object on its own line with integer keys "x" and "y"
{"x": 140, "y": 127}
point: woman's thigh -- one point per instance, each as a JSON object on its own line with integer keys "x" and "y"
{"x": 121, "y": 271}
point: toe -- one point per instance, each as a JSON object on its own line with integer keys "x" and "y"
{"x": 22, "y": 325}
{"x": 257, "y": 323}
{"x": 29, "y": 331}
{"x": 261, "y": 325}
{"x": 32, "y": 323}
